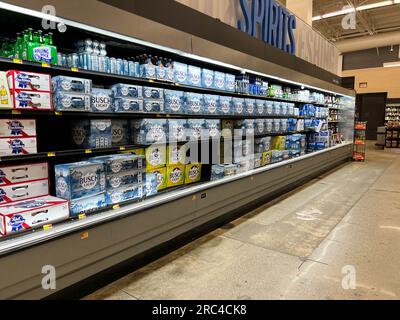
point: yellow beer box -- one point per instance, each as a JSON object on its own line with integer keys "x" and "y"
{"x": 279, "y": 143}
{"x": 5, "y": 97}
{"x": 138, "y": 152}
{"x": 161, "y": 177}
{"x": 267, "y": 157}
{"x": 192, "y": 173}
{"x": 156, "y": 157}
{"x": 176, "y": 154}
{"x": 175, "y": 175}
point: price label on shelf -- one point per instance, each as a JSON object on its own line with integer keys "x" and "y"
{"x": 116, "y": 207}
{"x": 17, "y": 112}
{"x": 45, "y": 65}
{"x": 84, "y": 235}
{"x": 19, "y": 61}
{"x": 51, "y": 154}
{"x": 57, "y": 113}
{"x": 48, "y": 227}
{"x": 88, "y": 151}
{"x": 74, "y": 69}
{"x": 82, "y": 216}
{"x": 151, "y": 81}
{"x": 122, "y": 148}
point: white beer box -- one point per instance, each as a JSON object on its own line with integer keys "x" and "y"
{"x": 17, "y": 146}
{"x": 17, "y": 128}
{"x": 30, "y": 81}
{"x": 24, "y": 191}
{"x": 24, "y": 215}
{"x": 31, "y": 100}
{"x": 23, "y": 173}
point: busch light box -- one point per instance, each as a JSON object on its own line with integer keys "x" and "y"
{"x": 31, "y": 100}
{"x": 17, "y": 146}
{"x": 175, "y": 175}
{"x": 127, "y": 91}
{"x": 117, "y": 163}
{"x": 156, "y": 157}
{"x": 194, "y": 76}
{"x": 65, "y": 101}
{"x": 260, "y": 108}
{"x": 150, "y": 185}
{"x": 124, "y": 194}
{"x": 212, "y": 128}
{"x": 153, "y": 106}
{"x": 73, "y": 85}
{"x": 238, "y": 106}
{"x": 128, "y": 105}
{"x": 219, "y": 80}
{"x": 259, "y": 127}
{"x": 121, "y": 132}
{"x": 30, "y": 214}
{"x": 153, "y": 93}
{"x": 92, "y": 134}
{"x": 207, "y": 78}
{"x": 87, "y": 204}
{"x": 123, "y": 179}
{"x": 211, "y": 104}
{"x": 193, "y": 103}
{"x": 192, "y": 173}
{"x": 161, "y": 177}
{"x": 101, "y": 100}
{"x": 249, "y": 107}
{"x": 181, "y": 73}
{"x": 148, "y": 71}
{"x": 176, "y": 154}
{"x": 28, "y": 81}
{"x": 80, "y": 179}
{"x": 230, "y": 82}
{"x": 225, "y": 106}
{"x": 148, "y": 131}
{"x": 17, "y": 128}
{"x": 177, "y": 130}
{"x": 195, "y": 129}
{"x": 174, "y": 101}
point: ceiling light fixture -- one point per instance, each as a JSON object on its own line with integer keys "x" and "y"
{"x": 391, "y": 65}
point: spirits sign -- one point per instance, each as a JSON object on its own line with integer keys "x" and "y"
{"x": 270, "y": 22}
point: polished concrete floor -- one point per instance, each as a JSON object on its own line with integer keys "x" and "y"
{"x": 336, "y": 237}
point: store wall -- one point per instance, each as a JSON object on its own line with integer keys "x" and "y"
{"x": 377, "y": 79}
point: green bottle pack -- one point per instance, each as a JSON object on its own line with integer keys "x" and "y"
{"x": 39, "y": 48}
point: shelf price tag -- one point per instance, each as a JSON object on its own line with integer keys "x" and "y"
{"x": 151, "y": 81}
{"x": 18, "y": 112}
{"x": 82, "y": 216}
{"x": 88, "y": 151}
{"x": 19, "y": 61}
{"x": 122, "y": 148}
{"x": 84, "y": 235}
{"x": 48, "y": 227}
{"x": 74, "y": 70}
{"x": 116, "y": 207}
{"x": 57, "y": 113}
{"x": 51, "y": 154}
{"x": 45, "y": 65}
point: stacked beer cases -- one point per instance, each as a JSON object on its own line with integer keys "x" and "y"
{"x": 17, "y": 136}
{"x": 24, "y": 199}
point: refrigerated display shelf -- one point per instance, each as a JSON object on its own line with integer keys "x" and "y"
{"x": 11, "y": 64}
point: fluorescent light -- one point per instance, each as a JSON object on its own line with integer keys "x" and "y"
{"x": 375, "y": 5}
{"x": 338, "y": 13}
{"x": 391, "y": 65}
{"x": 319, "y": 18}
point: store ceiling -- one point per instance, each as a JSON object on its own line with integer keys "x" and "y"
{"x": 379, "y": 20}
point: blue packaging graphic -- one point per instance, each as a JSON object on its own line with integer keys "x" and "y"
{"x": 80, "y": 179}
{"x": 123, "y": 179}
{"x": 153, "y": 93}
{"x": 92, "y": 133}
{"x": 148, "y": 131}
{"x": 292, "y": 124}
{"x": 269, "y": 108}
{"x": 260, "y": 108}
{"x": 230, "y": 82}
{"x": 238, "y": 106}
{"x": 195, "y": 129}
{"x": 212, "y": 128}
{"x": 128, "y": 105}
{"x": 127, "y": 91}
{"x": 211, "y": 104}
{"x": 118, "y": 163}
{"x": 249, "y": 107}
{"x": 124, "y": 194}
{"x": 181, "y": 72}
{"x": 193, "y": 103}
{"x": 151, "y": 185}
{"x": 148, "y": 71}
{"x": 101, "y": 100}
{"x": 225, "y": 106}
{"x": 161, "y": 73}
{"x": 174, "y": 102}
{"x": 276, "y": 125}
{"x": 194, "y": 76}
{"x": 207, "y": 78}
{"x": 277, "y": 108}
{"x": 269, "y": 125}
{"x": 219, "y": 80}
{"x": 153, "y": 106}
{"x": 121, "y": 132}
{"x": 259, "y": 127}
{"x": 72, "y": 85}
{"x": 65, "y": 101}
{"x": 177, "y": 129}
{"x": 87, "y": 204}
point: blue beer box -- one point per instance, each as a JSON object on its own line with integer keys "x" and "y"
{"x": 181, "y": 72}
{"x": 153, "y": 93}
{"x": 259, "y": 127}
{"x": 121, "y": 132}
{"x": 153, "y": 106}
{"x": 238, "y": 106}
{"x": 194, "y": 76}
{"x": 219, "y": 80}
{"x": 212, "y": 128}
{"x": 66, "y": 101}
{"x": 193, "y": 103}
{"x": 72, "y": 85}
{"x": 128, "y": 105}
{"x": 225, "y": 106}
{"x": 211, "y": 103}
{"x": 123, "y": 179}
{"x": 249, "y": 107}
{"x": 177, "y": 129}
{"x": 124, "y": 194}
{"x": 150, "y": 188}
{"x": 195, "y": 129}
{"x": 148, "y": 71}
{"x": 92, "y": 133}
{"x": 260, "y": 108}
{"x": 174, "y": 102}
{"x": 101, "y": 100}
{"x": 118, "y": 163}
{"x": 80, "y": 179}
{"x": 230, "y": 82}
{"x": 87, "y": 204}
{"x": 246, "y": 127}
{"x": 207, "y": 78}
{"x": 148, "y": 131}
{"x": 127, "y": 91}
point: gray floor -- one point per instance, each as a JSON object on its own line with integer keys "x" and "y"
{"x": 318, "y": 242}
